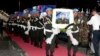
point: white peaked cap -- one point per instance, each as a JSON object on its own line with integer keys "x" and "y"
{"x": 75, "y": 10}
{"x": 43, "y": 14}
{"x": 25, "y": 11}
{"x": 34, "y": 7}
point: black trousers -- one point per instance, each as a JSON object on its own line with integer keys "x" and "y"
{"x": 31, "y": 34}
{"x": 69, "y": 45}
{"x": 24, "y": 36}
{"x": 50, "y": 47}
{"x": 34, "y": 37}
{"x": 40, "y": 37}
{"x": 96, "y": 40}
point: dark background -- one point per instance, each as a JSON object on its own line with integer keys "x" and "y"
{"x": 13, "y": 5}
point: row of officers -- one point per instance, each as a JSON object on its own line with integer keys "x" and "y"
{"x": 32, "y": 28}
{"x": 35, "y": 32}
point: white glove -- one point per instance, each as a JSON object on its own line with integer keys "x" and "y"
{"x": 20, "y": 26}
{"x": 44, "y": 31}
{"x": 55, "y": 31}
{"x": 12, "y": 29}
{"x": 35, "y": 28}
{"x": 27, "y": 32}
{"x": 24, "y": 27}
{"x": 74, "y": 41}
{"x": 48, "y": 40}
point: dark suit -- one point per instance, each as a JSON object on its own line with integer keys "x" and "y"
{"x": 33, "y": 32}
{"x": 40, "y": 32}
{"x": 24, "y": 36}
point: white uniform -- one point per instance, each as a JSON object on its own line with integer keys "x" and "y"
{"x": 95, "y": 22}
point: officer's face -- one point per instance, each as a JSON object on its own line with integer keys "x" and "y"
{"x": 49, "y": 12}
{"x": 75, "y": 14}
{"x": 81, "y": 14}
{"x": 93, "y": 12}
{"x": 37, "y": 14}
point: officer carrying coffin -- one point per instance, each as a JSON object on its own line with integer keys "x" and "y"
{"x": 49, "y": 32}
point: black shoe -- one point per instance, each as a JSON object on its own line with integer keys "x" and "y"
{"x": 56, "y": 46}
{"x": 40, "y": 46}
{"x": 69, "y": 55}
{"x": 51, "y": 55}
{"x": 31, "y": 43}
{"x": 47, "y": 55}
{"x": 27, "y": 41}
{"x": 37, "y": 46}
{"x": 74, "y": 55}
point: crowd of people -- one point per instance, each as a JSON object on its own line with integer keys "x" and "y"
{"x": 32, "y": 25}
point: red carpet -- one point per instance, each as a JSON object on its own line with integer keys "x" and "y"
{"x": 33, "y": 51}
